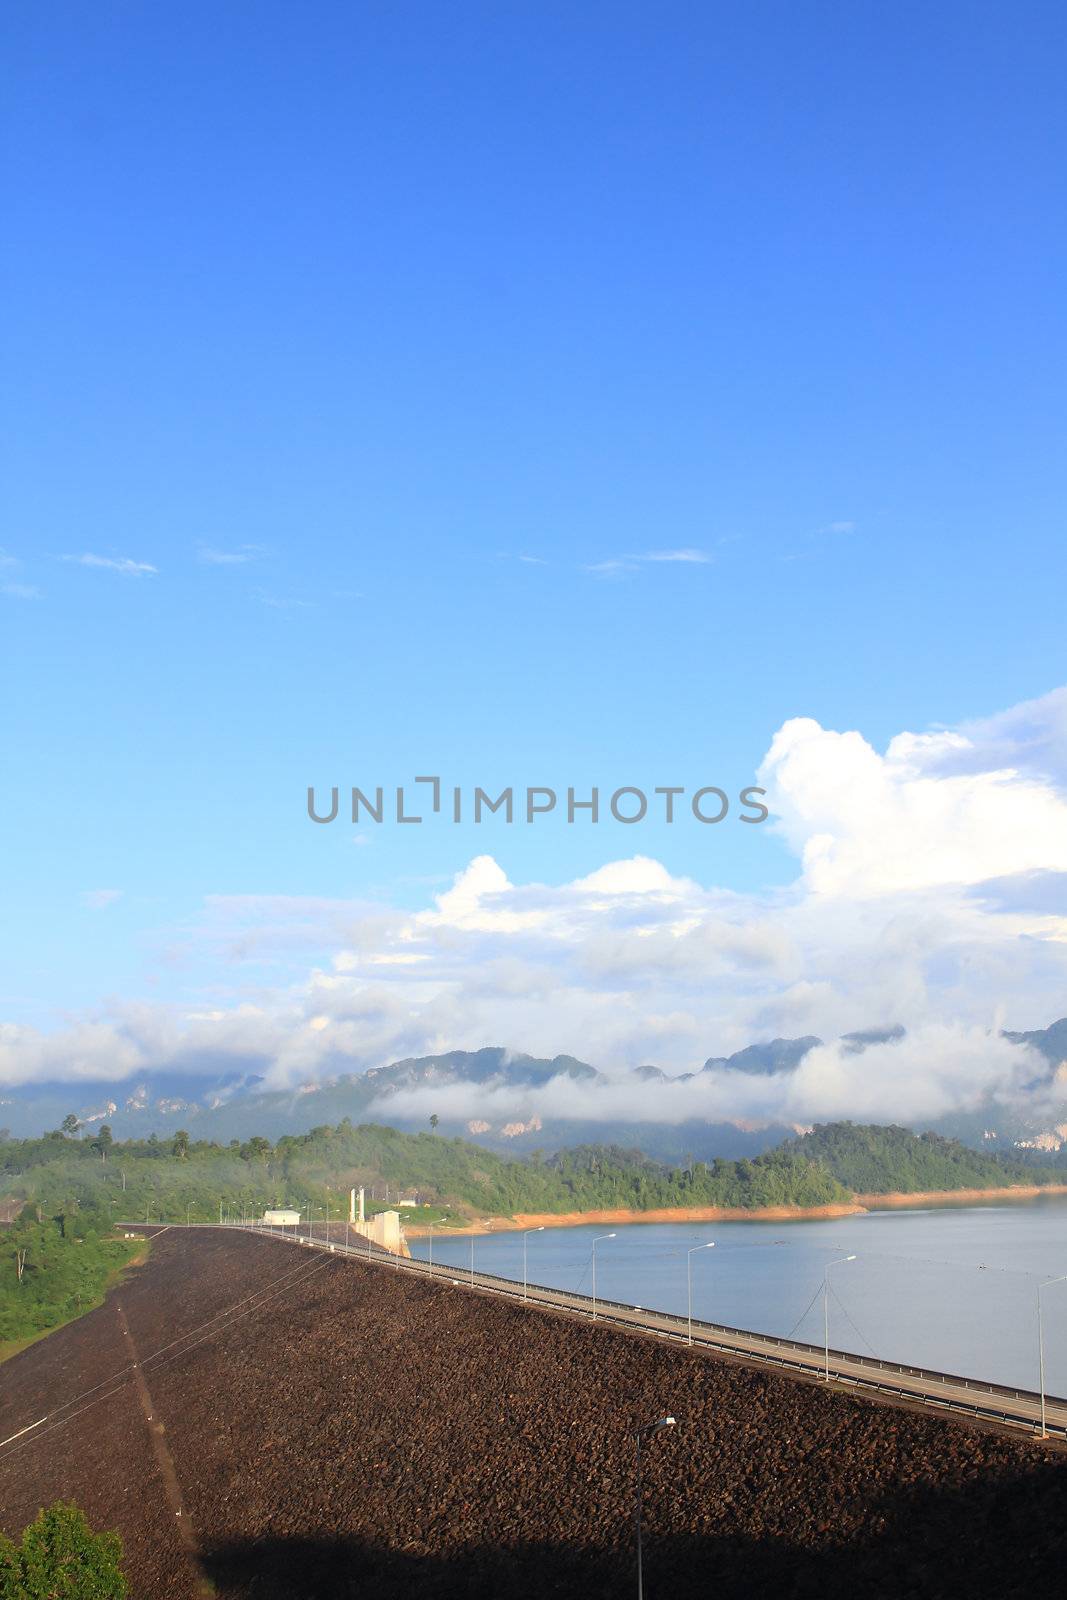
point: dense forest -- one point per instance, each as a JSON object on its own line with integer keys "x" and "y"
{"x": 64, "y": 1194}
{"x": 877, "y": 1160}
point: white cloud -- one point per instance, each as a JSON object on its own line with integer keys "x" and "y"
{"x": 931, "y": 811}
{"x": 697, "y": 557}
{"x": 122, "y": 564}
{"x": 82, "y": 1050}
{"x": 238, "y": 557}
{"x": 935, "y": 1071}
{"x": 8, "y": 586}
{"x": 611, "y": 569}
{"x": 100, "y": 899}
{"x": 617, "y": 565}
{"x": 929, "y": 894}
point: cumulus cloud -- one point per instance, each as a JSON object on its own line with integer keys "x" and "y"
{"x": 935, "y": 809}
{"x": 930, "y": 893}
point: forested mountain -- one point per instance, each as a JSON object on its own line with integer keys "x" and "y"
{"x": 65, "y": 1193}
{"x": 520, "y": 1108}
{"x": 877, "y": 1160}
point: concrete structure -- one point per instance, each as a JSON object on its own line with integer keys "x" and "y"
{"x": 383, "y": 1229}
{"x": 281, "y": 1218}
{"x": 356, "y": 1212}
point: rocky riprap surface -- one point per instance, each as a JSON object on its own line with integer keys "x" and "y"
{"x": 363, "y": 1433}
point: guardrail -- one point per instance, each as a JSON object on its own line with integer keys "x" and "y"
{"x": 794, "y": 1355}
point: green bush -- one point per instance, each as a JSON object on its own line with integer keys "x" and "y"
{"x": 61, "y": 1558}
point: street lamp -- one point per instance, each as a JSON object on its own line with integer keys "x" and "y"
{"x": 597, "y": 1241}
{"x": 826, "y": 1310}
{"x": 525, "y": 1235}
{"x": 1041, "y": 1346}
{"x": 689, "y": 1278}
{"x": 649, "y": 1428}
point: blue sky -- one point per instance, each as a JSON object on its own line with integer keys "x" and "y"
{"x": 397, "y": 342}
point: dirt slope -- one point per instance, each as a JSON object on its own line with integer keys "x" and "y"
{"x": 365, "y": 1434}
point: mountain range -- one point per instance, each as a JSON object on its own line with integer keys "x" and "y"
{"x": 237, "y": 1105}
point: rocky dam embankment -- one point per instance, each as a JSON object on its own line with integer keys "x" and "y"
{"x": 306, "y": 1426}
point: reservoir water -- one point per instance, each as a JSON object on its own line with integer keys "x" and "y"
{"x": 951, "y": 1288}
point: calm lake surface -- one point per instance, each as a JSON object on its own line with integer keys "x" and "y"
{"x": 953, "y": 1288}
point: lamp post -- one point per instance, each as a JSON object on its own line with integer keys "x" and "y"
{"x": 597, "y": 1241}
{"x": 826, "y": 1311}
{"x": 1041, "y": 1347}
{"x": 689, "y": 1278}
{"x": 525, "y": 1236}
{"x": 649, "y": 1428}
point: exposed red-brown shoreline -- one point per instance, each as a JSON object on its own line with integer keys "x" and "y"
{"x": 579, "y": 1219}
{"x": 958, "y": 1197}
{"x": 859, "y": 1204}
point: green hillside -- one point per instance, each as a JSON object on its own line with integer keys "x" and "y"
{"x": 877, "y": 1160}
{"x": 72, "y": 1191}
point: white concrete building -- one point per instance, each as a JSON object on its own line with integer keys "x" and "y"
{"x": 281, "y": 1218}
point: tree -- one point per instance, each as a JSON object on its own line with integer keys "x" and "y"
{"x": 61, "y": 1558}
{"x": 70, "y": 1125}
{"x": 103, "y": 1141}
{"x": 434, "y": 1120}
{"x": 181, "y": 1144}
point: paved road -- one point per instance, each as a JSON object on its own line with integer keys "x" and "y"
{"x": 1018, "y": 1408}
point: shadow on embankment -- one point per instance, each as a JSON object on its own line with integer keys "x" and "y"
{"x": 989, "y": 1541}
